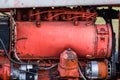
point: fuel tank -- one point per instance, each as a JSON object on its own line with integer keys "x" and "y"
{"x": 50, "y": 39}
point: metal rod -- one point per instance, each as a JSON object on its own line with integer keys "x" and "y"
{"x": 119, "y": 37}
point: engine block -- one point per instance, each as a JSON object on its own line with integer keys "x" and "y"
{"x": 57, "y": 43}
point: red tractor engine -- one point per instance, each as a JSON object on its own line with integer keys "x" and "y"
{"x": 58, "y": 43}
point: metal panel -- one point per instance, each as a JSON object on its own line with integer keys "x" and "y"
{"x": 47, "y": 3}
{"x": 5, "y": 32}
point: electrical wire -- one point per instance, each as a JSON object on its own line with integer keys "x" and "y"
{"x": 47, "y": 68}
{"x": 81, "y": 72}
{"x": 21, "y": 63}
{"x": 17, "y": 57}
{"x": 6, "y": 53}
{"x": 40, "y": 68}
{"x": 31, "y": 72}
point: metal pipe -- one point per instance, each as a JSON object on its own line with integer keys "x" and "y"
{"x": 119, "y": 37}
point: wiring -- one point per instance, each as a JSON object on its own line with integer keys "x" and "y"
{"x": 31, "y": 72}
{"x": 47, "y": 68}
{"x": 21, "y": 63}
{"x": 40, "y": 68}
{"x": 6, "y": 53}
{"x": 17, "y": 57}
{"x": 81, "y": 72}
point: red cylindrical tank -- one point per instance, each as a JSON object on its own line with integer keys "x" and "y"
{"x": 52, "y": 38}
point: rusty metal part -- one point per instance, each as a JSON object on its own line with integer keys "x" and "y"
{"x": 102, "y": 70}
{"x": 102, "y": 40}
{"x": 68, "y": 66}
{"x": 55, "y": 15}
{"x": 4, "y": 68}
{"x": 52, "y": 38}
{"x": 50, "y": 3}
{"x": 97, "y": 70}
{"x": 43, "y": 75}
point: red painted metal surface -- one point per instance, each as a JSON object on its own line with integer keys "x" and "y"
{"x": 4, "y": 68}
{"x": 52, "y": 38}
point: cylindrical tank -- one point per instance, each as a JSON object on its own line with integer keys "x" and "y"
{"x": 50, "y": 39}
